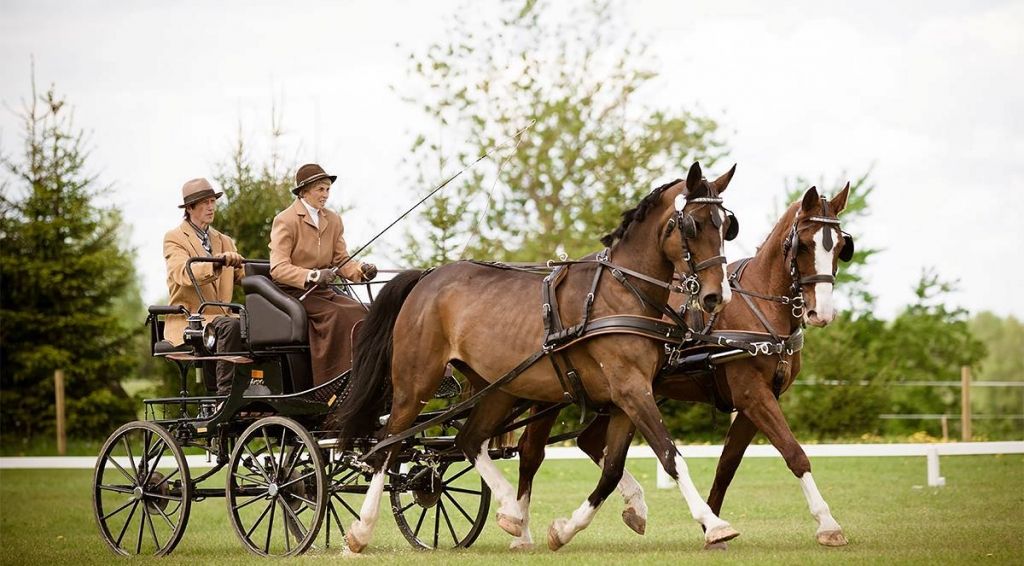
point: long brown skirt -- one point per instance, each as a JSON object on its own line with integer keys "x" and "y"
{"x": 331, "y": 319}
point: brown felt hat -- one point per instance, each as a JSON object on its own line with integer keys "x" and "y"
{"x": 308, "y": 174}
{"x": 197, "y": 190}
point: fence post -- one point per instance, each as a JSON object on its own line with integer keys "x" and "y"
{"x": 945, "y": 428}
{"x": 965, "y": 403}
{"x": 58, "y": 391}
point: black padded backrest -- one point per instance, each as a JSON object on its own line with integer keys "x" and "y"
{"x": 275, "y": 318}
{"x": 257, "y": 269}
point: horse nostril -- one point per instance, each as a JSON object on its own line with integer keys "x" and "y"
{"x": 711, "y": 301}
{"x": 812, "y": 314}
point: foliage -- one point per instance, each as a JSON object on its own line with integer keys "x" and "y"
{"x": 592, "y": 152}
{"x": 1004, "y": 339}
{"x": 68, "y": 283}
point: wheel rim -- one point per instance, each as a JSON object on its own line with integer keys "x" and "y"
{"x": 346, "y": 490}
{"x": 142, "y": 490}
{"x": 441, "y": 507}
{"x": 276, "y": 488}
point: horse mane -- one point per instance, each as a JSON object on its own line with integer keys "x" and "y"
{"x": 782, "y": 225}
{"x": 636, "y": 214}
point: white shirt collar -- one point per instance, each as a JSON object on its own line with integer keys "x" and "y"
{"x": 313, "y": 213}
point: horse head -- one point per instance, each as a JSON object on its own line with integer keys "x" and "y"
{"x": 815, "y": 245}
{"x": 696, "y": 226}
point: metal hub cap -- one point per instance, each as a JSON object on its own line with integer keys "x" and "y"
{"x": 272, "y": 490}
{"x": 137, "y": 492}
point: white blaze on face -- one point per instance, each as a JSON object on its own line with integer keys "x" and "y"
{"x": 823, "y": 266}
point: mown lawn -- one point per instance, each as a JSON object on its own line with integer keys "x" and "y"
{"x": 887, "y": 513}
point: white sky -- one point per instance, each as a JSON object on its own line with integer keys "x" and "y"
{"x": 930, "y": 93}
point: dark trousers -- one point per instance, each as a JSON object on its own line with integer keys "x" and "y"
{"x": 228, "y": 331}
{"x": 332, "y": 317}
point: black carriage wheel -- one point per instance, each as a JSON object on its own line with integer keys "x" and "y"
{"x": 346, "y": 489}
{"x": 444, "y": 507}
{"x": 276, "y": 488}
{"x": 142, "y": 490}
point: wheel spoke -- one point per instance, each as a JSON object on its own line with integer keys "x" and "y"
{"x": 458, "y": 475}
{"x": 142, "y": 528}
{"x": 347, "y": 476}
{"x": 270, "y": 525}
{"x": 266, "y": 441}
{"x": 332, "y": 510}
{"x": 162, "y": 496}
{"x": 117, "y": 488}
{"x": 131, "y": 458}
{"x": 284, "y": 449}
{"x": 251, "y": 501}
{"x": 118, "y": 510}
{"x": 347, "y": 506}
{"x": 259, "y": 520}
{"x": 419, "y": 523}
{"x": 462, "y": 490}
{"x": 295, "y": 521}
{"x": 300, "y": 478}
{"x": 437, "y": 522}
{"x": 147, "y": 437}
{"x": 459, "y": 507}
{"x": 127, "y": 522}
{"x": 251, "y": 478}
{"x": 117, "y": 465}
{"x": 303, "y": 499}
{"x": 152, "y": 528}
{"x": 287, "y": 528}
{"x": 448, "y": 520}
{"x": 411, "y": 503}
{"x": 256, "y": 461}
{"x": 156, "y": 462}
{"x": 166, "y": 518}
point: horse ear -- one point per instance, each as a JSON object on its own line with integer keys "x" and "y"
{"x": 722, "y": 182}
{"x": 693, "y": 178}
{"x": 838, "y": 202}
{"x": 811, "y": 199}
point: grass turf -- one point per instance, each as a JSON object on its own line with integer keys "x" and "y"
{"x": 887, "y": 513}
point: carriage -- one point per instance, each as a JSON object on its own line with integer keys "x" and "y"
{"x": 289, "y": 481}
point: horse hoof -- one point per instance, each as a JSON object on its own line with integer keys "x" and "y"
{"x": 720, "y": 534}
{"x": 554, "y": 542}
{"x": 832, "y": 538}
{"x": 716, "y": 546}
{"x": 521, "y": 546}
{"x": 634, "y": 521}
{"x": 353, "y": 544}
{"x": 510, "y": 524}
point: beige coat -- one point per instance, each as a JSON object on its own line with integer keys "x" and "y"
{"x": 298, "y": 247}
{"x": 215, "y": 282}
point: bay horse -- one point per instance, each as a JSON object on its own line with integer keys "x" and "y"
{"x": 485, "y": 320}
{"x": 806, "y": 239}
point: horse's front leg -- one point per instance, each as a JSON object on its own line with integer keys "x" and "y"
{"x": 764, "y": 411}
{"x": 619, "y": 434}
{"x": 741, "y": 433}
{"x": 592, "y": 442}
{"x": 531, "y": 456}
{"x": 636, "y": 400}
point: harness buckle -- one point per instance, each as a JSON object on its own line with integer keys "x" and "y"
{"x": 692, "y": 285}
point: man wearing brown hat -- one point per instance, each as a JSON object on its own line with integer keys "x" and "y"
{"x": 307, "y": 249}
{"x": 195, "y": 238}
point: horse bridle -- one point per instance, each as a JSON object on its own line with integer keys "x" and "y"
{"x": 687, "y": 226}
{"x": 796, "y": 298}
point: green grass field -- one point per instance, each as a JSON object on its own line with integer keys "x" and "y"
{"x": 887, "y": 513}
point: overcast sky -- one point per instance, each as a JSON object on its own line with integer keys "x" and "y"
{"x": 930, "y": 94}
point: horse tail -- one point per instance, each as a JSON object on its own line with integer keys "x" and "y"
{"x": 368, "y": 391}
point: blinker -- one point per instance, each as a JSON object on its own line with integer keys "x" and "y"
{"x": 846, "y": 254}
{"x": 734, "y": 227}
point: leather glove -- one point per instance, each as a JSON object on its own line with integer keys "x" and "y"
{"x": 369, "y": 271}
{"x": 231, "y": 259}
{"x": 321, "y": 277}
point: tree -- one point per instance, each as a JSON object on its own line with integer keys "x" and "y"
{"x": 592, "y": 152}
{"x": 66, "y": 273}
{"x": 1004, "y": 339}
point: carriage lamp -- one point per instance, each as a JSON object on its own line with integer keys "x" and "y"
{"x": 199, "y": 336}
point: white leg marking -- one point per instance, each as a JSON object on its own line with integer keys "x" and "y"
{"x": 500, "y": 487}
{"x": 525, "y": 540}
{"x": 362, "y": 530}
{"x": 631, "y": 491}
{"x": 699, "y": 509}
{"x": 819, "y": 509}
{"x": 823, "y": 266}
{"x": 580, "y": 519}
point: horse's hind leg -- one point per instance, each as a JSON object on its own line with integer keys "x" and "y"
{"x": 741, "y": 433}
{"x": 592, "y": 442}
{"x": 764, "y": 411}
{"x": 531, "y": 455}
{"x": 619, "y": 434}
{"x": 472, "y": 440}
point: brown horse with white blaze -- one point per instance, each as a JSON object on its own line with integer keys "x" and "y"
{"x": 787, "y": 283}
{"x": 486, "y": 322}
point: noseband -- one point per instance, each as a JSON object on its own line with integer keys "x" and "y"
{"x": 687, "y": 226}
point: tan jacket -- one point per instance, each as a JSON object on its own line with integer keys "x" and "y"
{"x": 297, "y": 247}
{"x": 216, "y": 282}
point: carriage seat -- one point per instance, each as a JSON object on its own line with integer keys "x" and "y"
{"x": 275, "y": 317}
